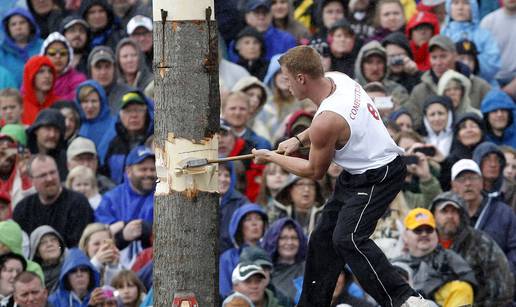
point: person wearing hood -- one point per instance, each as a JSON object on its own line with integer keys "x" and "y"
{"x": 47, "y": 14}
{"x": 361, "y": 17}
{"x": 258, "y": 16}
{"x": 77, "y": 280}
{"x": 286, "y": 244}
{"x": 257, "y": 92}
{"x": 371, "y": 66}
{"x": 250, "y": 50}
{"x": 389, "y": 17}
{"x": 486, "y": 213}
{"x": 60, "y": 52}
{"x": 477, "y": 248}
{"x": 48, "y": 249}
{"x": 38, "y": 88}
{"x": 230, "y": 200}
{"x": 438, "y": 274}
{"x": 443, "y": 57}
{"x": 246, "y": 228}
{"x": 11, "y": 264}
{"x": 104, "y": 25}
{"x": 300, "y": 199}
{"x": 463, "y": 21}
{"x": 344, "y": 47}
{"x": 327, "y": 13}
{"x": 22, "y": 41}
{"x": 400, "y": 60}
{"x": 438, "y": 123}
{"x": 12, "y": 240}
{"x": 131, "y": 66}
{"x": 14, "y": 181}
{"x": 97, "y": 123}
{"x": 283, "y": 18}
{"x": 101, "y": 68}
{"x": 133, "y": 126}
{"x": 491, "y": 161}
{"x": 457, "y": 87}
{"x": 77, "y": 31}
{"x": 420, "y": 29}
{"x": 46, "y": 136}
{"x": 403, "y": 119}
{"x": 128, "y": 208}
{"x": 499, "y": 112}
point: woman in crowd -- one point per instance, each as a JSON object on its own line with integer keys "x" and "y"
{"x": 438, "y": 123}
{"x": 327, "y": 13}
{"x": 344, "y": 47}
{"x": 286, "y": 244}
{"x": 132, "y": 69}
{"x": 457, "y": 87}
{"x": 250, "y": 51}
{"x": 389, "y": 18}
{"x": 283, "y": 18}
{"x": 72, "y": 119}
{"x": 82, "y": 179}
{"x": 77, "y": 280}
{"x": 403, "y": 119}
{"x": 47, "y": 248}
{"x": 98, "y": 245}
{"x": 130, "y": 288}
{"x": 273, "y": 179}
{"x": 11, "y": 265}
{"x": 301, "y": 199}
{"x": 58, "y": 49}
{"x": 246, "y": 228}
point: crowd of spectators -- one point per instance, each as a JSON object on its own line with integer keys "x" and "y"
{"x": 78, "y": 174}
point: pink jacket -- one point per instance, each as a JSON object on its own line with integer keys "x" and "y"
{"x": 67, "y": 83}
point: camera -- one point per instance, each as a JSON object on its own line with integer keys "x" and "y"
{"x": 427, "y": 151}
{"x": 396, "y": 60}
{"x": 410, "y": 160}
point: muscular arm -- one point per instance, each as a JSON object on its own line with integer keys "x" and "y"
{"x": 323, "y": 138}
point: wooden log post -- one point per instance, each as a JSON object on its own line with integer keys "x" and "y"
{"x": 187, "y": 106}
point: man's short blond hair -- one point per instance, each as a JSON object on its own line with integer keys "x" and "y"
{"x": 303, "y": 60}
{"x": 239, "y": 95}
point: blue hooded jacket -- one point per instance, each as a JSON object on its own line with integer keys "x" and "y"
{"x": 495, "y": 100}
{"x": 120, "y": 146}
{"x": 101, "y": 129}
{"x": 13, "y": 54}
{"x": 480, "y": 153}
{"x": 229, "y": 203}
{"x": 271, "y": 238}
{"x": 488, "y": 51}
{"x": 230, "y": 258}
{"x": 62, "y": 297}
{"x": 124, "y": 204}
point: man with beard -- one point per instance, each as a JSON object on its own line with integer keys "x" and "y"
{"x": 127, "y": 9}
{"x": 128, "y": 208}
{"x": 477, "y": 248}
{"x": 486, "y": 213}
{"x": 76, "y": 31}
{"x": 66, "y": 211}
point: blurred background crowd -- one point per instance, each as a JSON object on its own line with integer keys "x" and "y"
{"x": 77, "y": 168}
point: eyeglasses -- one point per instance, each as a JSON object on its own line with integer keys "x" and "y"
{"x": 287, "y": 238}
{"x": 54, "y": 52}
{"x": 421, "y": 230}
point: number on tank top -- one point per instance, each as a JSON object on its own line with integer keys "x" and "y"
{"x": 373, "y": 111}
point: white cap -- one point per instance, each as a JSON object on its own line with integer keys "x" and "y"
{"x": 139, "y": 21}
{"x": 464, "y": 165}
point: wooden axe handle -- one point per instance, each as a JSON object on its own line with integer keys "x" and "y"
{"x": 246, "y": 157}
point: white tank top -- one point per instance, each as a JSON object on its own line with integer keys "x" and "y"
{"x": 369, "y": 146}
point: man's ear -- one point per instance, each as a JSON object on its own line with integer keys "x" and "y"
{"x": 300, "y": 78}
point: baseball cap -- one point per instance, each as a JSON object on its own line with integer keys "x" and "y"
{"x": 255, "y": 4}
{"x": 139, "y": 21}
{"x": 79, "y": 146}
{"x": 419, "y": 217}
{"x": 131, "y": 97}
{"x": 464, "y": 165}
{"x": 466, "y": 46}
{"x": 224, "y": 125}
{"x": 101, "y": 53}
{"x": 374, "y": 49}
{"x": 447, "y": 203}
{"x": 138, "y": 154}
{"x": 244, "y": 270}
{"x": 72, "y": 20}
{"x": 256, "y": 255}
{"x": 442, "y": 42}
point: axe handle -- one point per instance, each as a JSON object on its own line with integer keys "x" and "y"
{"x": 245, "y": 157}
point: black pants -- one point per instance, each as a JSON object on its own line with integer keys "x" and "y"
{"x": 342, "y": 236}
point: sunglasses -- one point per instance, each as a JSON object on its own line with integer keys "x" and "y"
{"x": 54, "y": 52}
{"x": 421, "y": 230}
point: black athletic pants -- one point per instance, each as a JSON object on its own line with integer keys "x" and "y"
{"x": 342, "y": 236}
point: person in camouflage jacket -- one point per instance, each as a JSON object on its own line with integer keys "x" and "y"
{"x": 488, "y": 261}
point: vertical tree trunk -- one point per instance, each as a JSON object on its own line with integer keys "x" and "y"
{"x": 187, "y": 105}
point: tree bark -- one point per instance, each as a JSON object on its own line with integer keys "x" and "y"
{"x": 187, "y": 105}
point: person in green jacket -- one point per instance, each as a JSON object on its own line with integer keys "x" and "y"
{"x": 11, "y": 240}
{"x": 250, "y": 280}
